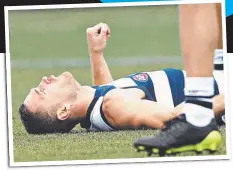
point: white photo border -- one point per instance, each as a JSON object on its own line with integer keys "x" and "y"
{"x": 109, "y": 161}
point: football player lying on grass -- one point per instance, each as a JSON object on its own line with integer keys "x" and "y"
{"x": 140, "y": 100}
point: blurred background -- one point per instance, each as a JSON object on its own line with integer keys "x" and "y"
{"x": 45, "y": 42}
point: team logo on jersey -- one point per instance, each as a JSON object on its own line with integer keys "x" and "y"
{"x": 143, "y": 77}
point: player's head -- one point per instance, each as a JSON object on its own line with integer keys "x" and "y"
{"x": 47, "y": 108}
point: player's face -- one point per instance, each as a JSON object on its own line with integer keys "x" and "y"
{"x": 52, "y": 92}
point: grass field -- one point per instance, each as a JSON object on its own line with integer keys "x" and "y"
{"x": 60, "y": 34}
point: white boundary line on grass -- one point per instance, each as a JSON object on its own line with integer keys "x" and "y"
{"x": 85, "y": 62}
{"x": 9, "y": 94}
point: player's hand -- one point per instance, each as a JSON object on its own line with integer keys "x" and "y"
{"x": 97, "y": 37}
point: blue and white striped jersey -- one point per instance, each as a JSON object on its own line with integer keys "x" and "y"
{"x": 164, "y": 86}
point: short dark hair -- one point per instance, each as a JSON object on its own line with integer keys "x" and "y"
{"x": 36, "y": 123}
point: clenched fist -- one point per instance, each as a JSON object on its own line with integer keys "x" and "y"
{"x": 97, "y": 37}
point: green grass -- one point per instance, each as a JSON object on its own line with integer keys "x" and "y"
{"x": 136, "y": 31}
{"x": 78, "y": 145}
{"x": 144, "y": 31}
{"x": 86, "y": 146}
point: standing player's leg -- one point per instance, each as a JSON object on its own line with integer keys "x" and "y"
{"x": 196, "y": 129}
{"x": 219, "y": 16}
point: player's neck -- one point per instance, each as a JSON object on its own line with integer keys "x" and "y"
{"x": 84, "y": 98}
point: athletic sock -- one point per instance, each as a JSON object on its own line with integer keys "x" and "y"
{"x": 198, "y": 106}
{"x": 218, "y": 60}
{"x": 219, "y": 67}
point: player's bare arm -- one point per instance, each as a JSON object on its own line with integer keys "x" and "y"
{"x": 126, "y": 109}
{"x": 132, "y": 112}
{"x": 97, "y": 37}
{"x": 219, "y": 105}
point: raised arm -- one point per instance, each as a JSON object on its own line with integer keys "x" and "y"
{"x": 97, "y": 37}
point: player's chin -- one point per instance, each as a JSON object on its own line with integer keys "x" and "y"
{"x": 76, "y": 85}
{"x": 67, "y": 75}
